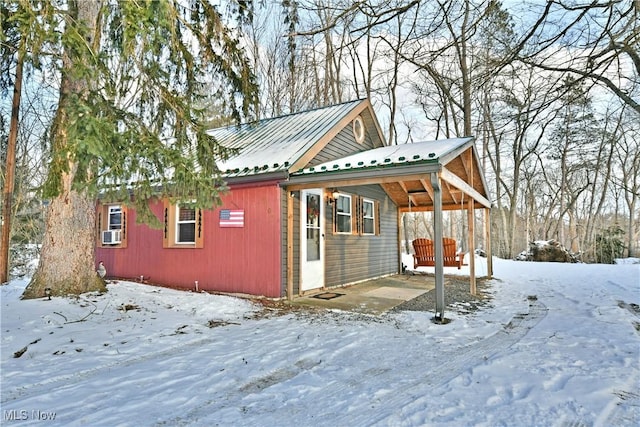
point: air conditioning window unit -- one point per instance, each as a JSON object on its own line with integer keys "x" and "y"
{"x": 111, "y": 237}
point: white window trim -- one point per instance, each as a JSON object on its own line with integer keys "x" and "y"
{"x": 177, "y": 226}
{"x": 372, "y": 217}
{"x": 350, "y": 214}
{"x": 109, "y": 212}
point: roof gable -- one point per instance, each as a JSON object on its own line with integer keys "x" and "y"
{"x": 403, "y": 170}
{"x": 288, "y": 143}
{"x": 437, "y": 152}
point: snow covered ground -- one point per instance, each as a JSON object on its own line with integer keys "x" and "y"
{"x": 558, "y": 346}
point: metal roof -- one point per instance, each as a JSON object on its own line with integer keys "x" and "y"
{"x": 404, "y": 171}
{"x": 392, "y": 155}
{"x": 272, "y": 145}
{"x": 281, "y": 148}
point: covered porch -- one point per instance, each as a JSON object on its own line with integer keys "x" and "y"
{"x": 428, "y": 176}
{"x": 410, "y": 291}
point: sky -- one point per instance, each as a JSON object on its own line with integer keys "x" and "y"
{"x": 559, "y": 345}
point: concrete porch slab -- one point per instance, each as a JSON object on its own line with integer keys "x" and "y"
{"x": 395, "y": 293}
{"x": 375, "y": 296}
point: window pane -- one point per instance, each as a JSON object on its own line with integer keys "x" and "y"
{"x": 343, "y": 214}
{"x": 115, "y": 221}
{"x": 187, "y": 214}
{"x": 187, "y": 233}
{"x": 344, "y": 204}
{"x": 115, "y": 218}
{"x": 344, "y": 223}
{"x": 367, "y": 217}
{"x": 368, "y": 209}
{"x": 186, "y": 225}
{"x": 368, "y": 226}
{"x": 313, "y": 210}
{"x": 313, "y": 244}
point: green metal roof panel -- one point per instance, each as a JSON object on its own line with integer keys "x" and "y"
{"x": 272, "y": 145}
{"x": 392, "y": 155}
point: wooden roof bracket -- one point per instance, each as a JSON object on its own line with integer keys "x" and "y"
{"x": 427, "y": 186}
{"x": 412, "y": 199}
{"x": 459, "y": 183}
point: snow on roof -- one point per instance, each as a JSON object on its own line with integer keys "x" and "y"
{"x": 417, "y": 152}
{"x": 272, "y": 145}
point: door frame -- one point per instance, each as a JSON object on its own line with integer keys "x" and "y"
{"x": 312, "y": 273}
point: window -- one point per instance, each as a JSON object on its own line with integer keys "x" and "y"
{"x": 358, "y": 129}
{"x": 115, "y": 218}
{"x": 356, "y": 215}
{"x": 343, "y": 214}
{"x": 186, "y": 225}
{"x": 183, "y": 226}
{"x": 368, "y": 217}
{"x": 111, "y": 226}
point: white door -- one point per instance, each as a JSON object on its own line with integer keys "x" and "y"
{"x": 311, "y": 240}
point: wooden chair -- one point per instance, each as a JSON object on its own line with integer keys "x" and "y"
{"x": 425, "y": 256}
{"x": 423, "y": 253}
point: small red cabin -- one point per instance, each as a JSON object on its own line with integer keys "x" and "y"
{"x": 314, "y": 202}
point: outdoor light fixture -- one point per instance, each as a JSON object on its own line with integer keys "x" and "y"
{"x": 333, "y": 196}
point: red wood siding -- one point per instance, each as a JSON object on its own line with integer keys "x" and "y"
{"x": 239, "y": 260}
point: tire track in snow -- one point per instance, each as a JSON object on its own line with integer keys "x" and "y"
{"x": 231, "y": 399}
{"x": 470, "y": 356}
{"x": 50, "y": 384}
{"x": 454, "y": 363}
{"x": 624, "y": 407}
{"x": 226, "y": 399}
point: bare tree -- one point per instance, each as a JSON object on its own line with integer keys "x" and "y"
{"x": 595, "y": 41}
{"x": 627, "y": 152}
{"x": 480, "y": 67}
{"x": 606, "y": 138}
{"x": 273, "y": 54}
{"x": 572, "y": 148}
{"x": 516, "y": 131}
{"x": 444, "y": 52}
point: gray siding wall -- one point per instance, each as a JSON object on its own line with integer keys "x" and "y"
{"x": 343, "y": 144}
{"x": 352, "y": 258}
{"x": 348, "y": 258}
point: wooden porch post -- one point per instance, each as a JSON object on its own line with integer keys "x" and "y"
{"x": 399, "y": 241}
{"x": 289, "y": 245}
{"x": 472, "y": 246}
{"x": 438, "y": 249}
{"x": 487, "y": 240}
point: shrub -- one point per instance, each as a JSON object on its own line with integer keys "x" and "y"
{"x": 609, "y": 244}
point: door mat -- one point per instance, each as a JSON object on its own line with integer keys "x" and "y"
{"x": 327, "y": 295}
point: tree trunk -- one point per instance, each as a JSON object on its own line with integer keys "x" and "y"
{"x": 405, "y": 228}
{"x": 68, "y": 251}
{"x": 573, "y": 232}
{"x": 67, "y": 258}
{"x": 632, "y": 235}
{"x": 9, "y": 179}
